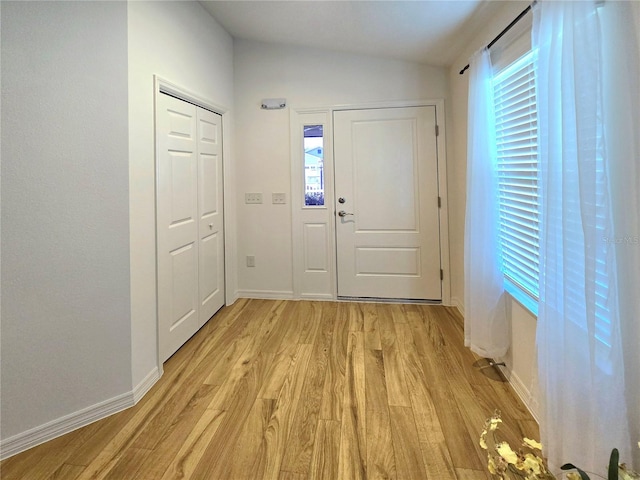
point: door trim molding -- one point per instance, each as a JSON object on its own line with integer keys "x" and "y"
{"x": 162, "y": 85}
{"x": 296, "y": 113}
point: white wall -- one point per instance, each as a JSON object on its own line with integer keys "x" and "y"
{"x": 307, "y": 78}
{"x": 182, "y": 43}
{"x": 520, "y": 360}
{"x": 66, "y": 335}
{"x": 78, "y": 207}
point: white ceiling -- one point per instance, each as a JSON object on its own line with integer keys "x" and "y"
{"x": 425, "y": 31}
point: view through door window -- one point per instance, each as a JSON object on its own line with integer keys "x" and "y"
{"x": 313, "y": 165}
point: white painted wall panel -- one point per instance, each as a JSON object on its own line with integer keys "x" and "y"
{"x": 386, "y": 195}
{"x": 209, "y": 166}
{"x": 316, "y": 247}
{"x": 209, "y": 248}
{"x": 307, "y": 78}
{"x": 184, "y": 180}
{"x": 395, "y": 261}
{"x": 184, "y": 293}
{"x": 182, "y": 43}
{"x": 66, "y": 318}
{"x": 78, "y": 206}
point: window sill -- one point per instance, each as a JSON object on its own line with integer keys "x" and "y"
{"x": 523, "y": 298}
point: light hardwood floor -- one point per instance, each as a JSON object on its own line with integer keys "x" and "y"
{"x": 297, "y": 390}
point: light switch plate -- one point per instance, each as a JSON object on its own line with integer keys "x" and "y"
{"x": 253, "y": 198}
{"x": 279, "y": 198}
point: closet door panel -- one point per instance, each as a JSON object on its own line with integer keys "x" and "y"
{"x": 190, "y": 220}
{"x": 210, "y": 210}
{"x": 177, "y": 224}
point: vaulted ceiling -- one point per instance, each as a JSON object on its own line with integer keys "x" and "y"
{"x": 432, "y": 32}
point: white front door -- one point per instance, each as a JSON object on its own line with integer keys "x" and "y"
{"x": 386, "y": 177}
{"x": 189, "y": 220}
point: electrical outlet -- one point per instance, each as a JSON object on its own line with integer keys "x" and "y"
{"x": 251, "y": 260}
{"x": 252, "y": 198}
{"x": 279, "y": 198}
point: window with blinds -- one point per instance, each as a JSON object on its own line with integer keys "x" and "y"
{"x": 517, "y": 150}
{"x": 517, "y": 162}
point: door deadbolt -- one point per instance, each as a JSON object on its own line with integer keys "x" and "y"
{"x": 341, "y": 200}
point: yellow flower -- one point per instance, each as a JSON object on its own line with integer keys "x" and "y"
{"x": 493, "y": 425}
{"x": 491, "y": 466}
{"x": 532, "y": 464}
{"x": 504, "y": 450}
{"x": 483, "y": 442}
{"x": 573, "y": 476}
{"x": 532, "y": 443}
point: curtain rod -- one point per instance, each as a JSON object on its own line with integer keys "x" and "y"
{"x": 508, "y": 27}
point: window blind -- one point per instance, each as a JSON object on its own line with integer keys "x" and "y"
{"x": 517, "y": 165}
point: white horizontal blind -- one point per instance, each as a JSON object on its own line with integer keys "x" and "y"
{"x": 517, "y": 148}
{"x": 517, "y": 159}
{"x": 602, "y": 255}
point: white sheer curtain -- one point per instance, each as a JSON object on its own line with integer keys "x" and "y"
{"x": 580, "y": 357}
{"x": 621, "y": 42}
{"x": 486, "y": 331}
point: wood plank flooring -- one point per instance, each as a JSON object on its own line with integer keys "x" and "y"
{"x": 300, "y": 390}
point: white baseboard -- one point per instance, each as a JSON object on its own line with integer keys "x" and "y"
{"x": 327, "y": 297}
{"x": 68, "y": 423}
{"x": 459, "y": 304}
{"x": 55, "y": 428}
{"x": 267, "y": 294}
{"x": 145, "y": 385}
{"x": 231, "y": 298}
{"x": 525, "y": 394}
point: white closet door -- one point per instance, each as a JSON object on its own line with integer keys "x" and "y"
{"x": 177, "y": 224}
{"x": 189, "y": 220}
{"x": 210, "y": 213}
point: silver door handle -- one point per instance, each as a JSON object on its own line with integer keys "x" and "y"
{"x": 342, "y": 213}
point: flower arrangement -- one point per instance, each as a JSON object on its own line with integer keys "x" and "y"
{"x": 504, "y": 463}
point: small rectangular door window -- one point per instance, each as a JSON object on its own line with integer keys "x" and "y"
{"x": 313, "y": 145}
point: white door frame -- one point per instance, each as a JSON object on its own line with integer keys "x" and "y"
{"x": 298, "y": 116}
{"x": 164, "y": 86}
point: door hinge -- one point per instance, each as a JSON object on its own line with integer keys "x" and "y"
{"x": 441, "y": 274}
{"x": 439, "y": 202}
{"x": 437, "y": 130}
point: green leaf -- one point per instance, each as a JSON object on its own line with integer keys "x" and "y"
{"x": 570, "y": 466}
{"x": 613, "y": 464}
